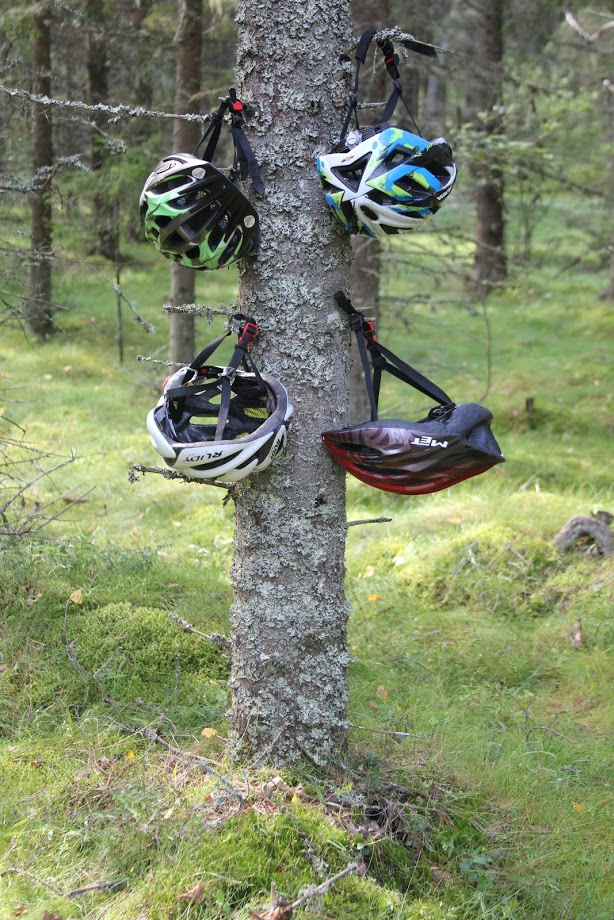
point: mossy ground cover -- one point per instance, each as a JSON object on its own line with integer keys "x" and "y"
{"x": 478, "y": 778}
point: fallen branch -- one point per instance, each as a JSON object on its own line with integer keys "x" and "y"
{"x": 39, "y": 881}
{"x": 586, "y": 526}
{"x": 98, "y": 886}
{"x": 95, "y": 886}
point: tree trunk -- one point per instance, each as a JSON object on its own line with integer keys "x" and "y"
{"x": 186, "y": 134}
{"x": 608, "y": 133}
{"x": 105, "y": 211}
{"x": 289, "y": 617}
{"x": 490, "y": 259}
{"x": 38, "y": 314}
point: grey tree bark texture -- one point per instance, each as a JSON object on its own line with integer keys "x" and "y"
{"x": 37, "y": 308}
{"x": 186, "y": 134}
{"x": 490, "y": 256}
{"x": 289, "y": 617}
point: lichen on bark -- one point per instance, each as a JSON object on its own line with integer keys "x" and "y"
{"x": 289, "y": 617}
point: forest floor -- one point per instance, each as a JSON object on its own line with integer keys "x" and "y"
{"x": 478, "y": 778}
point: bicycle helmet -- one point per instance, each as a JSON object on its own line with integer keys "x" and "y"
{"x": 415, "y": 458}
{"x": 192, "y": 212}
{"x": 219, "y": 423}
{"x": 453, "y": 443}
{"x": 382, "y": 180}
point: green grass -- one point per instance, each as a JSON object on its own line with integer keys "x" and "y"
{"x": 465, "y": 691}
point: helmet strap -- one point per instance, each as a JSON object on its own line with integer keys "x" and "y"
{"x": 244, "y": 161}
{"x": 246, "y": 332}
{"x": 391, "y": 61}
{"x": 382, "y": 359}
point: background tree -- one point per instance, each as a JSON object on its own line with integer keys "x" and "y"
{"x": 105, "y": 233}
{"x": 186, "y": 134}
{"x": 289, "y": 616}
{"x": 490, "y": 256}
{"x": 37, "y": 307}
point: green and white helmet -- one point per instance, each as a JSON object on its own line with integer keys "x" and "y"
{"x": 192, "y": 212}
{"x": 196, "y": 216}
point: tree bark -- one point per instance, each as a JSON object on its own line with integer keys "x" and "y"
{"x": 186, "y": 134}
{"x": 289, "y": 617}
{"x": 490, "y": 258}
{"x": 105, "y": 211}
{"x": 38, "y": 313}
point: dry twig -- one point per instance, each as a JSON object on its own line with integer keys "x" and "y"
{"x": 281, "y": 909}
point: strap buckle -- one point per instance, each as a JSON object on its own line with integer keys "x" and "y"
{"x": 247, "y": 334}
{"x": 228, "y": 371}
{"x": 368, "y": 330}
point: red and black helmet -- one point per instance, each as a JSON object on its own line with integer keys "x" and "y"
{"x": 451, "y": 444}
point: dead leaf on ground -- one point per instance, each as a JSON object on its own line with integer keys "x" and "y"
{"x": 50, "y": 915}
{"x": 195, "y": 895}
{"x": 76, "y": 597}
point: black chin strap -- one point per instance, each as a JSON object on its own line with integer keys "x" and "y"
{"x": 247, "y": 332}
{"x": 382, "y": 359}
{"x": 391, "y": 61}
{"x": 244, "y": 162}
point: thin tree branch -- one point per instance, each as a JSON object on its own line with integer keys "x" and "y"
{"x": 119, "y": 111}
{"x": 381, "y": 520}
{"x": 282, "y": 910}
{"x": 97, "y": 886}
{"x": 35, "y": 878}
{"x": 215, "y": 638}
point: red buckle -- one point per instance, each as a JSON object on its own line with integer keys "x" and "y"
{"x": 236, "y": 106}
{"x": 249, "y": 333}
{"x": 368, "y": 330}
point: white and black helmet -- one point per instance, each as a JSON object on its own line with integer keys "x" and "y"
{"x": 219, "y": 423}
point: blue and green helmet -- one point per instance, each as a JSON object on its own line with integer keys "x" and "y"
{"x": 386, "y": 181}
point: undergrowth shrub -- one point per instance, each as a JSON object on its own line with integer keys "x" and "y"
{"x": 495, "y": 568}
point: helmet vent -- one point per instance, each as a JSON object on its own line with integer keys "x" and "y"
{"x": 231, "y": 246}
{"x": 352, "y": 173}
{"x": 169, "y": 184}
{"x": 199, "y": 220}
